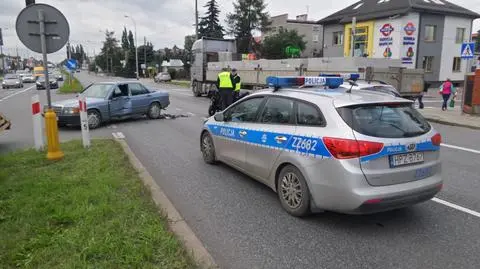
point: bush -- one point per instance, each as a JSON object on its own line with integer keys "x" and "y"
{"x": 173, "y": 73}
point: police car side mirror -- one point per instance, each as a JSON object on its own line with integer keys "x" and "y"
{"x": 219, "y": 117}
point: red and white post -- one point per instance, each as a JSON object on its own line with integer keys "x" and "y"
{"x": 37, "y": 122}
{"x": 82, "y": 104}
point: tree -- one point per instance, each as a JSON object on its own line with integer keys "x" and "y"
{"x": 248, "y": 16}
{"x": 111, "y": 53}
{"x": 125, "y": 43}
{"x": 274, "y": 46}
{"x": 209, "y": 25}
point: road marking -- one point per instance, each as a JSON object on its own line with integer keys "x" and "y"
{"x": 461, "y": 148}
{"x": 178, "y": 109}
{"x": 457, "y": 207}
{"x": 12, "y": 95}
{"x": 190, "y": 114}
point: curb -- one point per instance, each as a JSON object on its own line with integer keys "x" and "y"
{"x": 452, "y": 123}
{"x": 176, "y": 223}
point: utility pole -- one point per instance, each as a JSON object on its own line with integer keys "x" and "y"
{"x": 29, "y": 2}
{"x": 196, "y": 19}
{"x": 1, "y": 50}
{"x": 145, "y": 55}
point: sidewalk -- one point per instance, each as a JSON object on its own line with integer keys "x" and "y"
{"x": 453, "y": 117}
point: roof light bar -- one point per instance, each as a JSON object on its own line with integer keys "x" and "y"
{"x": 352, "y": 76}
{"x": 331, "y": 82}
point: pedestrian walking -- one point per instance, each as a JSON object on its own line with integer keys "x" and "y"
{"x": 237, "y": 81}
{"x": 446, "y": 90}
{"x": 225, "y": 87}
{"x": 426, "y": 86}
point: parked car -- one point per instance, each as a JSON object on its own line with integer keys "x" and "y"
{"x": 108, "y": 101}
{"x": 58, "y": 76}
{"x": 322, "y": 148}
{"x": 28, "y": 78}
{"x": 163, "y": 77}
{"x": 41, "y": 83}
{"x": 12, "y": 81}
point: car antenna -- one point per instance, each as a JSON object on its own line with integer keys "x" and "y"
{"x": 352, "y": 83}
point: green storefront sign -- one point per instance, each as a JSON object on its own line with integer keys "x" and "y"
{"x": 292, "y": 51}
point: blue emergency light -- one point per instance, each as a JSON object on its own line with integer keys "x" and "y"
{"x": 352, "y": 76}
{"x": 326, "y": 81}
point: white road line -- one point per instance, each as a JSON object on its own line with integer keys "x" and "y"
{"x": 461, "y": 148}
{"x": 12, "y": 95}
{"x": 457, "y": 207}
{"x": 118, "y": 135}
{"x": 178, "y": 109}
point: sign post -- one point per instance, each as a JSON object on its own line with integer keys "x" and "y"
{"x": 44, "y": 29}
{"x": 82, "y": 104}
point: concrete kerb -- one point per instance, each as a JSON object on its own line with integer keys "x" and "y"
{"x": 444, "y": 122}
{"x": 176, "y": 222}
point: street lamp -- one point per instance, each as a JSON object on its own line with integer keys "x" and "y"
{"x": 136, "y": 47}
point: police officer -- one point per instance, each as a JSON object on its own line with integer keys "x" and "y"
{"x": 225, "y": 87}
{"x": 238, "y": 84}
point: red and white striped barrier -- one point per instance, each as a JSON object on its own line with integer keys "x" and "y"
{"x": 82, "y": 105}
{"x": 37, "y": 122}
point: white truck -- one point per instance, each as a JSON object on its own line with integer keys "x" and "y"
{"x": 210, "y": 56}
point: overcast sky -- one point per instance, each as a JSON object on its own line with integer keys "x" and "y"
{"x": 162, "y": 22}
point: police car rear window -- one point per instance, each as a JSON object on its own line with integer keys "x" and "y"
{"x": 385, "y": 120}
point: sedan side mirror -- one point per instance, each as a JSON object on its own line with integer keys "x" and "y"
{"x": 219, "y": 117}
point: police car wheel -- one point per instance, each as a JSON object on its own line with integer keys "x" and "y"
{"x": 293, "y": 192}
{"x": 207, "y": 148}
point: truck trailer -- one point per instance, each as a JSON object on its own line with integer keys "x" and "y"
{"x": 211, "y": 56}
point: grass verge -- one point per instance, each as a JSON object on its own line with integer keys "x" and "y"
{"x": 75, "y": 86}
{"x": 89, "y": 210}
{"x": 182, "y": 83}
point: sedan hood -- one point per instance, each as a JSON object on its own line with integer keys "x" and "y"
{"x": 74, "y": 102}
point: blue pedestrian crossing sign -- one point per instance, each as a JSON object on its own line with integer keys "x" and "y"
{"x": 468, "y": 50}
{"x": 71, "y": 64}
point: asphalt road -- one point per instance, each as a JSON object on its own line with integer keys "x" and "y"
{"x": 243, "y": 225}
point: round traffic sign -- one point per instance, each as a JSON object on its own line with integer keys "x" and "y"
{"x": 57, "y": 30}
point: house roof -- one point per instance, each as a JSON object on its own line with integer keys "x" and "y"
{"x": 173, "y": 63}
{"x": 377, "y": 9}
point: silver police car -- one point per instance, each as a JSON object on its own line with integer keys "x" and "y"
{"x": 355, "y": 152}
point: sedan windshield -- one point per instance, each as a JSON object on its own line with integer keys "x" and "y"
{"x": 97, "y": 90}
{"x": 11, "y": 77}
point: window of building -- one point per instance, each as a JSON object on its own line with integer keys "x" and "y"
{"x": 457, "y": 64}
{"x": 338, "y": 38}
{"x": 361, "y": 41}
{"x": 315, "y": 38}
{"x": 316, "y": 28}
{"x": 428, "y": 63}
{"x": 430, "y": 33}
{"x": 460, "y": 37}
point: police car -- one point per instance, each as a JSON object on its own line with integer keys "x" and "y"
{"x": 325, "y": 147}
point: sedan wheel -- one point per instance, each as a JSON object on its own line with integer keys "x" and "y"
{"x": 94, "y": 119}
{"x": 154, "y": 111}
{"x": 207, "y": 148}
{"x": 293, "y": 192}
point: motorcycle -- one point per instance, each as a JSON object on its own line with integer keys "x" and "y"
{"x": 216, "y": 101}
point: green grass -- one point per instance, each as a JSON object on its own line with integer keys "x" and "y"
{"x": 183, "y": 83}
{"x": 89, "y": 210}
{"x": 75, "y": 86}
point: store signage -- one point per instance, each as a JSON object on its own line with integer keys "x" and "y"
{"x": 387, "y": 29}
{"x": 409, "y": 43}
{"x": 410, "y": 28}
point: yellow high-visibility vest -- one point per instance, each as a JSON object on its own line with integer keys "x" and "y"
{"x": 238, "y": 86}
{"x": 225, "y": 81}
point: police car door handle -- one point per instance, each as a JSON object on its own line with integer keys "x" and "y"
{"x": 280, "y": 139}
{"x": 242, "y": 133}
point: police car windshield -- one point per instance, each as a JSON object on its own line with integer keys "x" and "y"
{"x": 385, "y": 120}
{"x": 97, "y": 90}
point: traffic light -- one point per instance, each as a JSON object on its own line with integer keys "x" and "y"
{"x": 29, "y": 2}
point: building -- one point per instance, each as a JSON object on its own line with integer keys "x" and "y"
{"x": 176, "y": 64}
{"x": 311, "y": 30}
{"x": 422, "y": 33}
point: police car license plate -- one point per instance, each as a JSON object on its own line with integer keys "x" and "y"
{"x": 406, "y": 159}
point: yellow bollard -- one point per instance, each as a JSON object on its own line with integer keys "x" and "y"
{"x": 53, "y": 142}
